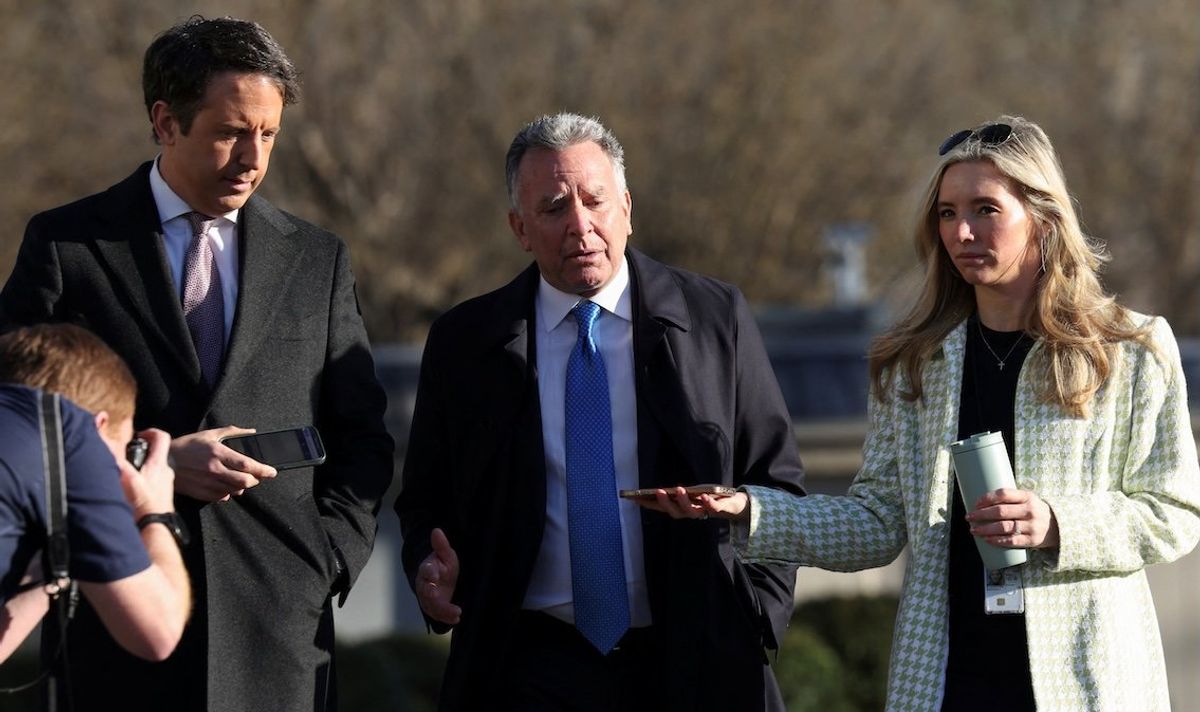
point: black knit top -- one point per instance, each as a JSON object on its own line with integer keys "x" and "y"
{"x": 988, "y": 666}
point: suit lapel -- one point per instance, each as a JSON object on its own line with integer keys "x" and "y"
{"x": 513, "y": 395}
{"x": 268, "y": 259}
{"x": 131, "y": 248}
{"x": 510, "y": 417}
{"x": 659, "y": 310}
{"x": 512, "y": 318}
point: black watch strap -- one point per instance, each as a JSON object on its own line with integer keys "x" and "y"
{"x": 172, "y": 521}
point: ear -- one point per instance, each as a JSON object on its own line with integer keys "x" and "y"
{"x": 166, "y": 124}
{"x": 629, "y": 212}
{"x": 517, "y": 224}
{"x": 101, "y": 419}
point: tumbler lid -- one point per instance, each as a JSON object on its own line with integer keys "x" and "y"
{"x": 977, "y": 441}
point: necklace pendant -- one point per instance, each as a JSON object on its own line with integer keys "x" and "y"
{"x": 1011, "y": 349}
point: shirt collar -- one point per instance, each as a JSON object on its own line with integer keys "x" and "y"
{"x": 170, "y": 205}
{"x": 614, "y": 298}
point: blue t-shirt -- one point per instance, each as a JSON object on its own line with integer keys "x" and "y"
{"x": 104, "y": 540}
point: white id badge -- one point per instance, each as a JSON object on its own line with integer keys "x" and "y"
{"x": 1003, "y": 592}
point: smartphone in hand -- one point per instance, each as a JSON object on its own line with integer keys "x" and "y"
{"x": 281, "y": 449}
{"x": 692, "y": 491}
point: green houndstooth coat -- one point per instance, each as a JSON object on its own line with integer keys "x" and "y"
{"x": 1123, "y": 483}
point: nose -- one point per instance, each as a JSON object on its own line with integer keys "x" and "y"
{"x": 579, "y": 220}
{"x": 252, "y": 152}
{"x": 963, "y": 231}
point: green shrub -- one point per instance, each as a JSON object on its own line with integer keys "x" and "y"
{"x": 835, "y": 654}
{"x": 400, "y": 673}
{"x": 810, "y": 674}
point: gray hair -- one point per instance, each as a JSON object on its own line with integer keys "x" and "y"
{"x": 559, "y": 132}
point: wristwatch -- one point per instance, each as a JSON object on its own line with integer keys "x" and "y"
{"x": 172, "y": 521}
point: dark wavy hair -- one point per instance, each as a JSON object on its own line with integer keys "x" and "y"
{"x": 181, "y": 62}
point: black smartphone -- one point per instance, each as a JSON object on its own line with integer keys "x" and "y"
{"x": 281, "y": 449}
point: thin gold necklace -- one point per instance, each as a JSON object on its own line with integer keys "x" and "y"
{"x": 999, "y": 361}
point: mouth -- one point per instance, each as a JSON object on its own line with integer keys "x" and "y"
{"x": 584, "y": 256}
{"x": 240, "y": 184}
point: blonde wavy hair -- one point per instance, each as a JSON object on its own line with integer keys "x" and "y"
{"x": 1078, "y": 324}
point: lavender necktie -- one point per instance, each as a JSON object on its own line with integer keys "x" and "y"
{"x": 203, "y": 303}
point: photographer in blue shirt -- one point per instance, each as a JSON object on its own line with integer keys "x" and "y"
{"x": 135, "y": 580}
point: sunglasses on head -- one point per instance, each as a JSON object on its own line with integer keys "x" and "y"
{"x": 990, "y": 135}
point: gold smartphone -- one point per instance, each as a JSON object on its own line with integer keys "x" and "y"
{"x": 693, "y": 491}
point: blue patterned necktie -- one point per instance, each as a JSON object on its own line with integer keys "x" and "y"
{"x": 593, "y": 517}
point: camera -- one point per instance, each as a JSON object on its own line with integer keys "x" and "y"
{"x": 136, "y": 452}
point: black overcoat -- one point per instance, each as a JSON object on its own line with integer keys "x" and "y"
{"x": 709, "y": 410}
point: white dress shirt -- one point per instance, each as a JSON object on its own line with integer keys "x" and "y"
{"x": 177, "y": 236}
{"x": 550, "y": 586}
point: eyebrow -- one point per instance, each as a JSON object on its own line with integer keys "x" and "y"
{"x": 245, "y": 125}
{"x": 583, "y": 190}
{"x": 547, "y": 201}
{"x": 973, "y": 201}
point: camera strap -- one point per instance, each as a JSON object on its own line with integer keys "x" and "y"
{"x": 63, "y": 591}
{"x": 58, "y": 551}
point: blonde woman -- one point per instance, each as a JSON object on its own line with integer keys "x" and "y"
{"x": 1011, "y": 333}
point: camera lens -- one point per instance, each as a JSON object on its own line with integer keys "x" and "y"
{"x": 136, "y": 452}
